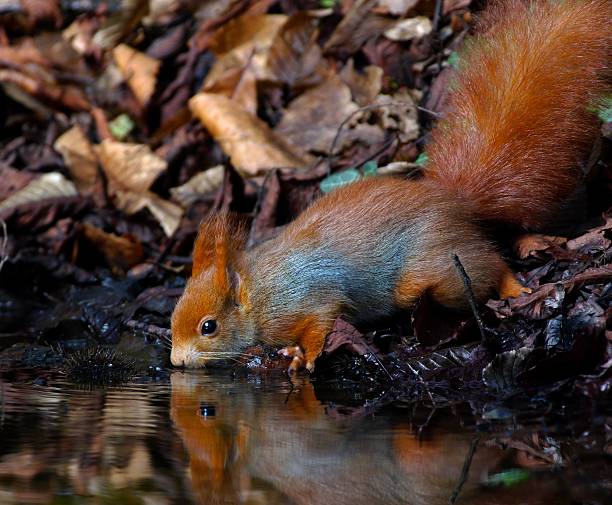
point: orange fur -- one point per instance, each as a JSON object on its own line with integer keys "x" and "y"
{"x": 520, "y": 121}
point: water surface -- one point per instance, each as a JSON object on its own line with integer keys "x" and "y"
{"x": 212, "y": 439}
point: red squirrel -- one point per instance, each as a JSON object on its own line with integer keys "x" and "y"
{"x": 520, "y": 121}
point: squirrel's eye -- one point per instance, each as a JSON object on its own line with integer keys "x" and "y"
{"x": 208, "y": 327}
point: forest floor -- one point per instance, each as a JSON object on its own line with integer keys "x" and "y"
{"x": 124, "y": 123}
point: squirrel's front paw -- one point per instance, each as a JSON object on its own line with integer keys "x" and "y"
{"x": 298, "y": 362}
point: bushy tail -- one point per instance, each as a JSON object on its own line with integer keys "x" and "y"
{"x": 521, "y": 108}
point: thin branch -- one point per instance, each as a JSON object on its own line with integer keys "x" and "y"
{"x": 3, "y": 245}
{"x": 465, "y": 470}
{"x": 467, "y": 284}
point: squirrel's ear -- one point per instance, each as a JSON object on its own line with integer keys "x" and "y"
{"x": 238, "y": 288}
{"x": 219, "y": 237}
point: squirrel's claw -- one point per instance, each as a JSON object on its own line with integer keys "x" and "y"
{"x": 297, "y": 363}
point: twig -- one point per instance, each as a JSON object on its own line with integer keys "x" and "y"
{"x": 467, "y": 284}
{"x": 437, "y": 15}
{"x": 3, "y": 245}
{"x": 465, "y": 470}
{"x": 151, "y": 329}
{"x": 377, "y": 359}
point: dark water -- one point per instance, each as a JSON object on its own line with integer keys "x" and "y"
{"x": 214, "y": 439}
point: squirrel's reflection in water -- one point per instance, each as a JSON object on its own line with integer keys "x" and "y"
{"x": 252, "y": 446}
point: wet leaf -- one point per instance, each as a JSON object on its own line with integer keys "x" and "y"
{"x": 252, "y": 147}
{"x": 345, "y": 335}
{"x": 503, "y": 373}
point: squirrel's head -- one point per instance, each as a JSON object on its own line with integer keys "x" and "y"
{"x": 212, "y": 320}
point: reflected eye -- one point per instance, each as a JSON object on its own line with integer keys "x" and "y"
{"x": 207, "y": 327}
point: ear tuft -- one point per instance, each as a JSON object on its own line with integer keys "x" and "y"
{"x": 220, "y": 239}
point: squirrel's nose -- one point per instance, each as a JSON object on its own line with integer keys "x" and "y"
{"x": 177, "y": 357}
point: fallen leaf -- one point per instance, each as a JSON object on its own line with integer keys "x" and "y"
{"x": 531, "y": 243}
{"x": 344, "y": 334}
{"x": 139, "y": 70}
{"x": 399, "y": 113}
{"x": 356, "y": 27}
{"x": 241, "y": 50}
{"x": 397, "y": 7}
{"x": 79, "y": 156}
{"x": 408, "y": 29}
{"x": 47, "y": 186}
{"x": 313, "y": 119}
{"x": 594, "y": 240}
{"x": 128, "y": 166}
{"x": 294, "y": 54}
{"x": 168, "y": 214}
{"x": 12, "y": 180}
{"x": 200, "y": 184}
{"x": 122, "y": 22}
{"x": 365, "y": 86}
{"x": 121, "y": 253}
{"x": 252, "y": 146}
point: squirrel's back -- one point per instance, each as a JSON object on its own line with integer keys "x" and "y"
{"x": 521, "y": 116}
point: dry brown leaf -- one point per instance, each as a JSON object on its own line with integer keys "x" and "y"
{"x": 49, "y": 185}
{"x": 530, "y": 243}
{"x": 399, "y": 115}
{"x": 167, "y": 213}
{"x": 366, "y": 85}
{"x": 412, "y": 28}
{"x": 241, "y": 47}
{"x": 313, "y": 119}
{"x": 131, "y": 167}
{"x": 356, "y": 27}
{"x": 200, "y": 184}
{"x": 79, "y": 156}
{"x": 294, "y": 54}
{"x": 249, "y": 142}
{"x": 256, "y": 32}
{"x": 121, "y": 253}
{"x": 139, "y": 70}
{"x": 122, "y": 22}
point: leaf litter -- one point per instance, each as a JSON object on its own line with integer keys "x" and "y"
{"x": 123, "y": 128}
